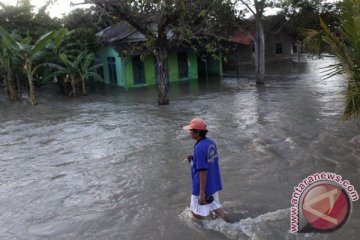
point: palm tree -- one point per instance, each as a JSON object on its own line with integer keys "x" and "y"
{"x": 345, "y": 46}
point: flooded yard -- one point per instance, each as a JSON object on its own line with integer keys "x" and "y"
{"x": 110, "y": 165}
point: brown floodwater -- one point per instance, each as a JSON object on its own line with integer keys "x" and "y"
{"x": 110, "y": 165}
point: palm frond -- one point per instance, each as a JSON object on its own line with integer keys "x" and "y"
{"x": 345, "y": 45}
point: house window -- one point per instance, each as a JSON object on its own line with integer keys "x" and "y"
{"x": 100, "y": 68}
{"x": 183, "y": 65}
{"x": 112, "y": 70}
{"x": 138, "y": 70}
{"x": 278, "y": 48}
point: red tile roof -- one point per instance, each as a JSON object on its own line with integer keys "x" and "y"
{"x": 241, "y": 38}
{"x": 246, "y": 34}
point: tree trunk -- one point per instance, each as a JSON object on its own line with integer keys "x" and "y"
{"x": 9, "y": 86}
{"x": 31, "y": 84}
{"x": 161, "y": 56}
{"x": 260, "y": 52}
{"x": 32, "y": 91}
{"x": 163, "y": 78}
{"x": 72, "y": 80}
{"x": 83, "y": 86}
{"x": 298, "y": 49}
{"x": 18, "y": 87}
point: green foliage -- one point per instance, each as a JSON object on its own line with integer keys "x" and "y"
{"x": 34, "y": 49}
{"x": 25, "y": 22}
{"x": 305, "y": 14}
{"x": 41, "y": 43}
{"x": 345, "y": 45}
{"x": 7, "y": 64}
{"x": 26, "y": 53}
{"x": 85, "y": 23}
{"x": 9, "y": 39}
{"x": 74, "y": 73}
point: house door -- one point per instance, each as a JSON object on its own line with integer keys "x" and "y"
{"x": 100, "y": 68}
{"x": 138, "y": 70}
{"x": 112, "y": 70}
{"x": 183, "y": 65}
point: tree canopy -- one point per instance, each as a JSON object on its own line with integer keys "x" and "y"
{"x": 305, "y": 14}
{"x": 25, "y": 22}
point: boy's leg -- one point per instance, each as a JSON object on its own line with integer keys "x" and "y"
{"x": 198, "y": 211}
{"x": 220, "y": 212}
{"x": 197, "y": 216}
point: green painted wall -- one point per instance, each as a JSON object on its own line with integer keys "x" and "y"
{"x": 149, "y": 72}
{"x": 110, "y": 52}
{"x": 126, "y": 78}
{"x": 129, "y": 81}
{"x": 193, "y": 65}
{"x": 149, "y": 63}
{"x": 173, "y": 67}
{"x": 214, "y": 66}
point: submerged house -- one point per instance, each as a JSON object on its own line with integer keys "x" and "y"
{"x": 278, "y": 44}
{"x": 139, "y": 68}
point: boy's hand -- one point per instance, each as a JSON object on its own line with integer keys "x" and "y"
{"x": 189, "y": 158}
{"x": 202, "y": 200}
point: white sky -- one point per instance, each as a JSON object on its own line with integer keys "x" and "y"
{"x": 56, "y": 10}
{"x": 63, "y": 6}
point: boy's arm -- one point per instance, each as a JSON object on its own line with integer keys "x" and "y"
{"x": 202, "y": 176}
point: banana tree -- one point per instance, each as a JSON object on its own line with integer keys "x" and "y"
{"x": 345, "y": 46}
{"x": 77, "y": 71}
{"x": 28, "y": 53}
{"x": 6, "y": 63}
{"x": 87, "y": 70}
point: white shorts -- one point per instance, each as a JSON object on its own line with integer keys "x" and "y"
{"x": 204, "y": 210}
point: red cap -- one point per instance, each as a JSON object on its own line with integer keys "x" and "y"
{"x": 196, "y": 123}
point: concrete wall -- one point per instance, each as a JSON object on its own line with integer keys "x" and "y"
{"x": 271, "y": 42}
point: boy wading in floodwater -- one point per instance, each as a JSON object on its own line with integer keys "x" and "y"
{"x": 205, "y": 172}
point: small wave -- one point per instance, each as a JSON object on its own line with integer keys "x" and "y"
{"x": 290, "y": 141}
{"x": 260, "y": 146}
{"x": 356, "y": 139}
{"x": 270, "y": 225}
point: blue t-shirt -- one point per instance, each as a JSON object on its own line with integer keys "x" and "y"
{"x": 205, "y": 157}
